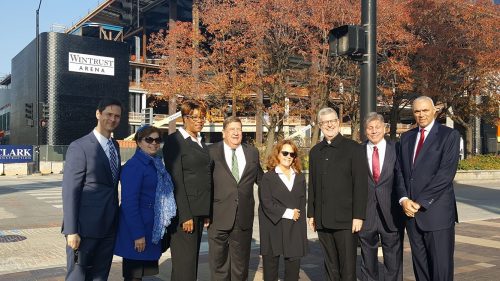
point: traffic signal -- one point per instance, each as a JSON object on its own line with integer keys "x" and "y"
{"x": 347, "y": 40}
{"x": 28, "y": 111}
{"x": 45, "y": 111}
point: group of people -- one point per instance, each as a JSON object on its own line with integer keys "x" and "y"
{"x": 356, "y": 192}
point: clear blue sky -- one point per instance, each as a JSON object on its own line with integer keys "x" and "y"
{"x": 18, "y": 25}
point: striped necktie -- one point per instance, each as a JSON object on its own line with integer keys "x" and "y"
{"x": 375, "y": 164}
{"x": 113, "y": 160}
{"x": 234, "y": 167}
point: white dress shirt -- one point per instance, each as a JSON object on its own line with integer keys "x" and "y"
{"x": 427, "y": 130}
{"x": 289, "y": 185}
{"x": 240, "y": 155}
{"x": 381, "y": 146}
{"x": 186, "y": 135}
{"x": 103, "y": 141}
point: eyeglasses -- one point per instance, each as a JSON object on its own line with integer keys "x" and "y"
{"x": 286, "y": 153}
{"x": 196, "y": 118}
{"x": 150, "y": 140}
{"x": 328, "y": 122}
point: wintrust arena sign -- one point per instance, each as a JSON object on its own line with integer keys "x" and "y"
{"x": 91, "y": 64}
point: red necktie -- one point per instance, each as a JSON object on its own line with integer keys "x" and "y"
{"x": 375, "y": 164}
{"x": 420, "y": 144}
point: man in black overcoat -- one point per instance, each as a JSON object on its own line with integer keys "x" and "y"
{"x": 337, "y": 196}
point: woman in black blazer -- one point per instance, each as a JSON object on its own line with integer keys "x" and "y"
{"x": 282, "y": 214}
{"x": 189, "y": 163}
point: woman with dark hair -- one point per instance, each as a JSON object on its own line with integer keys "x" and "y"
{"x": 147, "y": 207}
{"x": 188, "y": 161}
{"x": 282, "y": 215}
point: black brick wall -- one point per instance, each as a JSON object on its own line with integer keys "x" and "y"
{"x": 72, "y": 96}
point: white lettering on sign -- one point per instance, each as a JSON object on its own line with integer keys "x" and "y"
{"x": 91, "y": 64}
{"x": 15, "y": 153}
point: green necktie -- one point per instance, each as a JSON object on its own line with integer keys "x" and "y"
{"x": 234, "y": 167}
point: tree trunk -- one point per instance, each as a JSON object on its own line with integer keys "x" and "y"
{"x": 355, "y": 130}
{"x": 270, "y": 138}
{"x": 394, "y": 120}
{"x": 315, "y": 134}
{"x": 233, "y": 111}
{"x": 468, "y": 141}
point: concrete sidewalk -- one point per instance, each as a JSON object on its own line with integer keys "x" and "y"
{"x": 38, "y": 252}
{"x": 477, "y": 257}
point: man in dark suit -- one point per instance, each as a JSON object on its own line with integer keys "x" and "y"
{"x": 428, "y": 160}
{"x": 90, "y": 197}
{"x": 384, "y": 217}
{"x": 188, "y": 162}
{"x": 337, "y": 196}
{"x": 236, "y": 169}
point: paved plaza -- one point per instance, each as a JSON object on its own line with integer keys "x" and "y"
{"x": 32, "y": 248}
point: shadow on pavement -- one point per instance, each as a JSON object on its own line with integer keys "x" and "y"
{"x": 480, "y": 197}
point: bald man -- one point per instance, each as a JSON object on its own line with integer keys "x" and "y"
{"x": 428, "y": 160}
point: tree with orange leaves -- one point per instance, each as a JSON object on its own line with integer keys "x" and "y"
{"x": 459, "y": 58}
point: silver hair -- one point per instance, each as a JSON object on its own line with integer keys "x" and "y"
{"x": 326, "y": 111}
{"x": 421, "y": 98}
{"x": 373, "y": 116}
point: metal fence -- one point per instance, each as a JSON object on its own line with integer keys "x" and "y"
{"x": 57, "y": 153}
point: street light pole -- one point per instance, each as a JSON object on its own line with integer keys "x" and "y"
{"x": 369, "y": 64}
{"x": 37, "y": 103}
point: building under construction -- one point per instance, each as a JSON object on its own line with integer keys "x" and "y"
{"x": 75, "y": 73}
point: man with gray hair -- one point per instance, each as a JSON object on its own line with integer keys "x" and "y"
{"x": 236, "y": 169}
{"x": 428, "y": 160}
{"x": 337, "y": 196}
{"x": 384, "y": 217}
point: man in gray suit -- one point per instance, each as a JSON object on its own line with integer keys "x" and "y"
{"x": 90, "y": 197}
{"x": 384, "y": 216}
{"x": 236, "y": 169}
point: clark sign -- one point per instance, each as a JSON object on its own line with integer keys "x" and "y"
{"x": 16, "y": 153}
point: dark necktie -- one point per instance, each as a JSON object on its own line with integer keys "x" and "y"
{"x": 113, "y": 161}
{"x": 375, "y": 165}
{"x": 234, "y": 167}
{"x": 420, "y": 144}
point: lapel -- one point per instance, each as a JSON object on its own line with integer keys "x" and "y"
{"x": 282, "y": 184}
{"x": 223, "y": 160}
{"x": 246, "y": 151}
{"x": 102, "y": 155}
{"x": 194, "y": 145}
{"x": 370, "y": 174}
{"x": 412, "y": 136}
{"x": 428, "y": 142}
{"x": 388, "y": 158}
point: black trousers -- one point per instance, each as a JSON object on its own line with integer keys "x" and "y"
{"x": 392, "y": 249}
{"x": 271, "y": 266}
{"x": 94, "y": 259}
{"x": 431, "y": 252}
{"x": 229, "y": 253}
{"x": 185, "y": 249}
{"x": 339, "y": 248}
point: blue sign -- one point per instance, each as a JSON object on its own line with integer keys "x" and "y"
{"x": 16, "y": 153}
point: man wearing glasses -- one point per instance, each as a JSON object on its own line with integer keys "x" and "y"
{"x": 337, "y": 196}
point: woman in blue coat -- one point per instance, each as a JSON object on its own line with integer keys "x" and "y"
{"x": 147, "y": 206}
